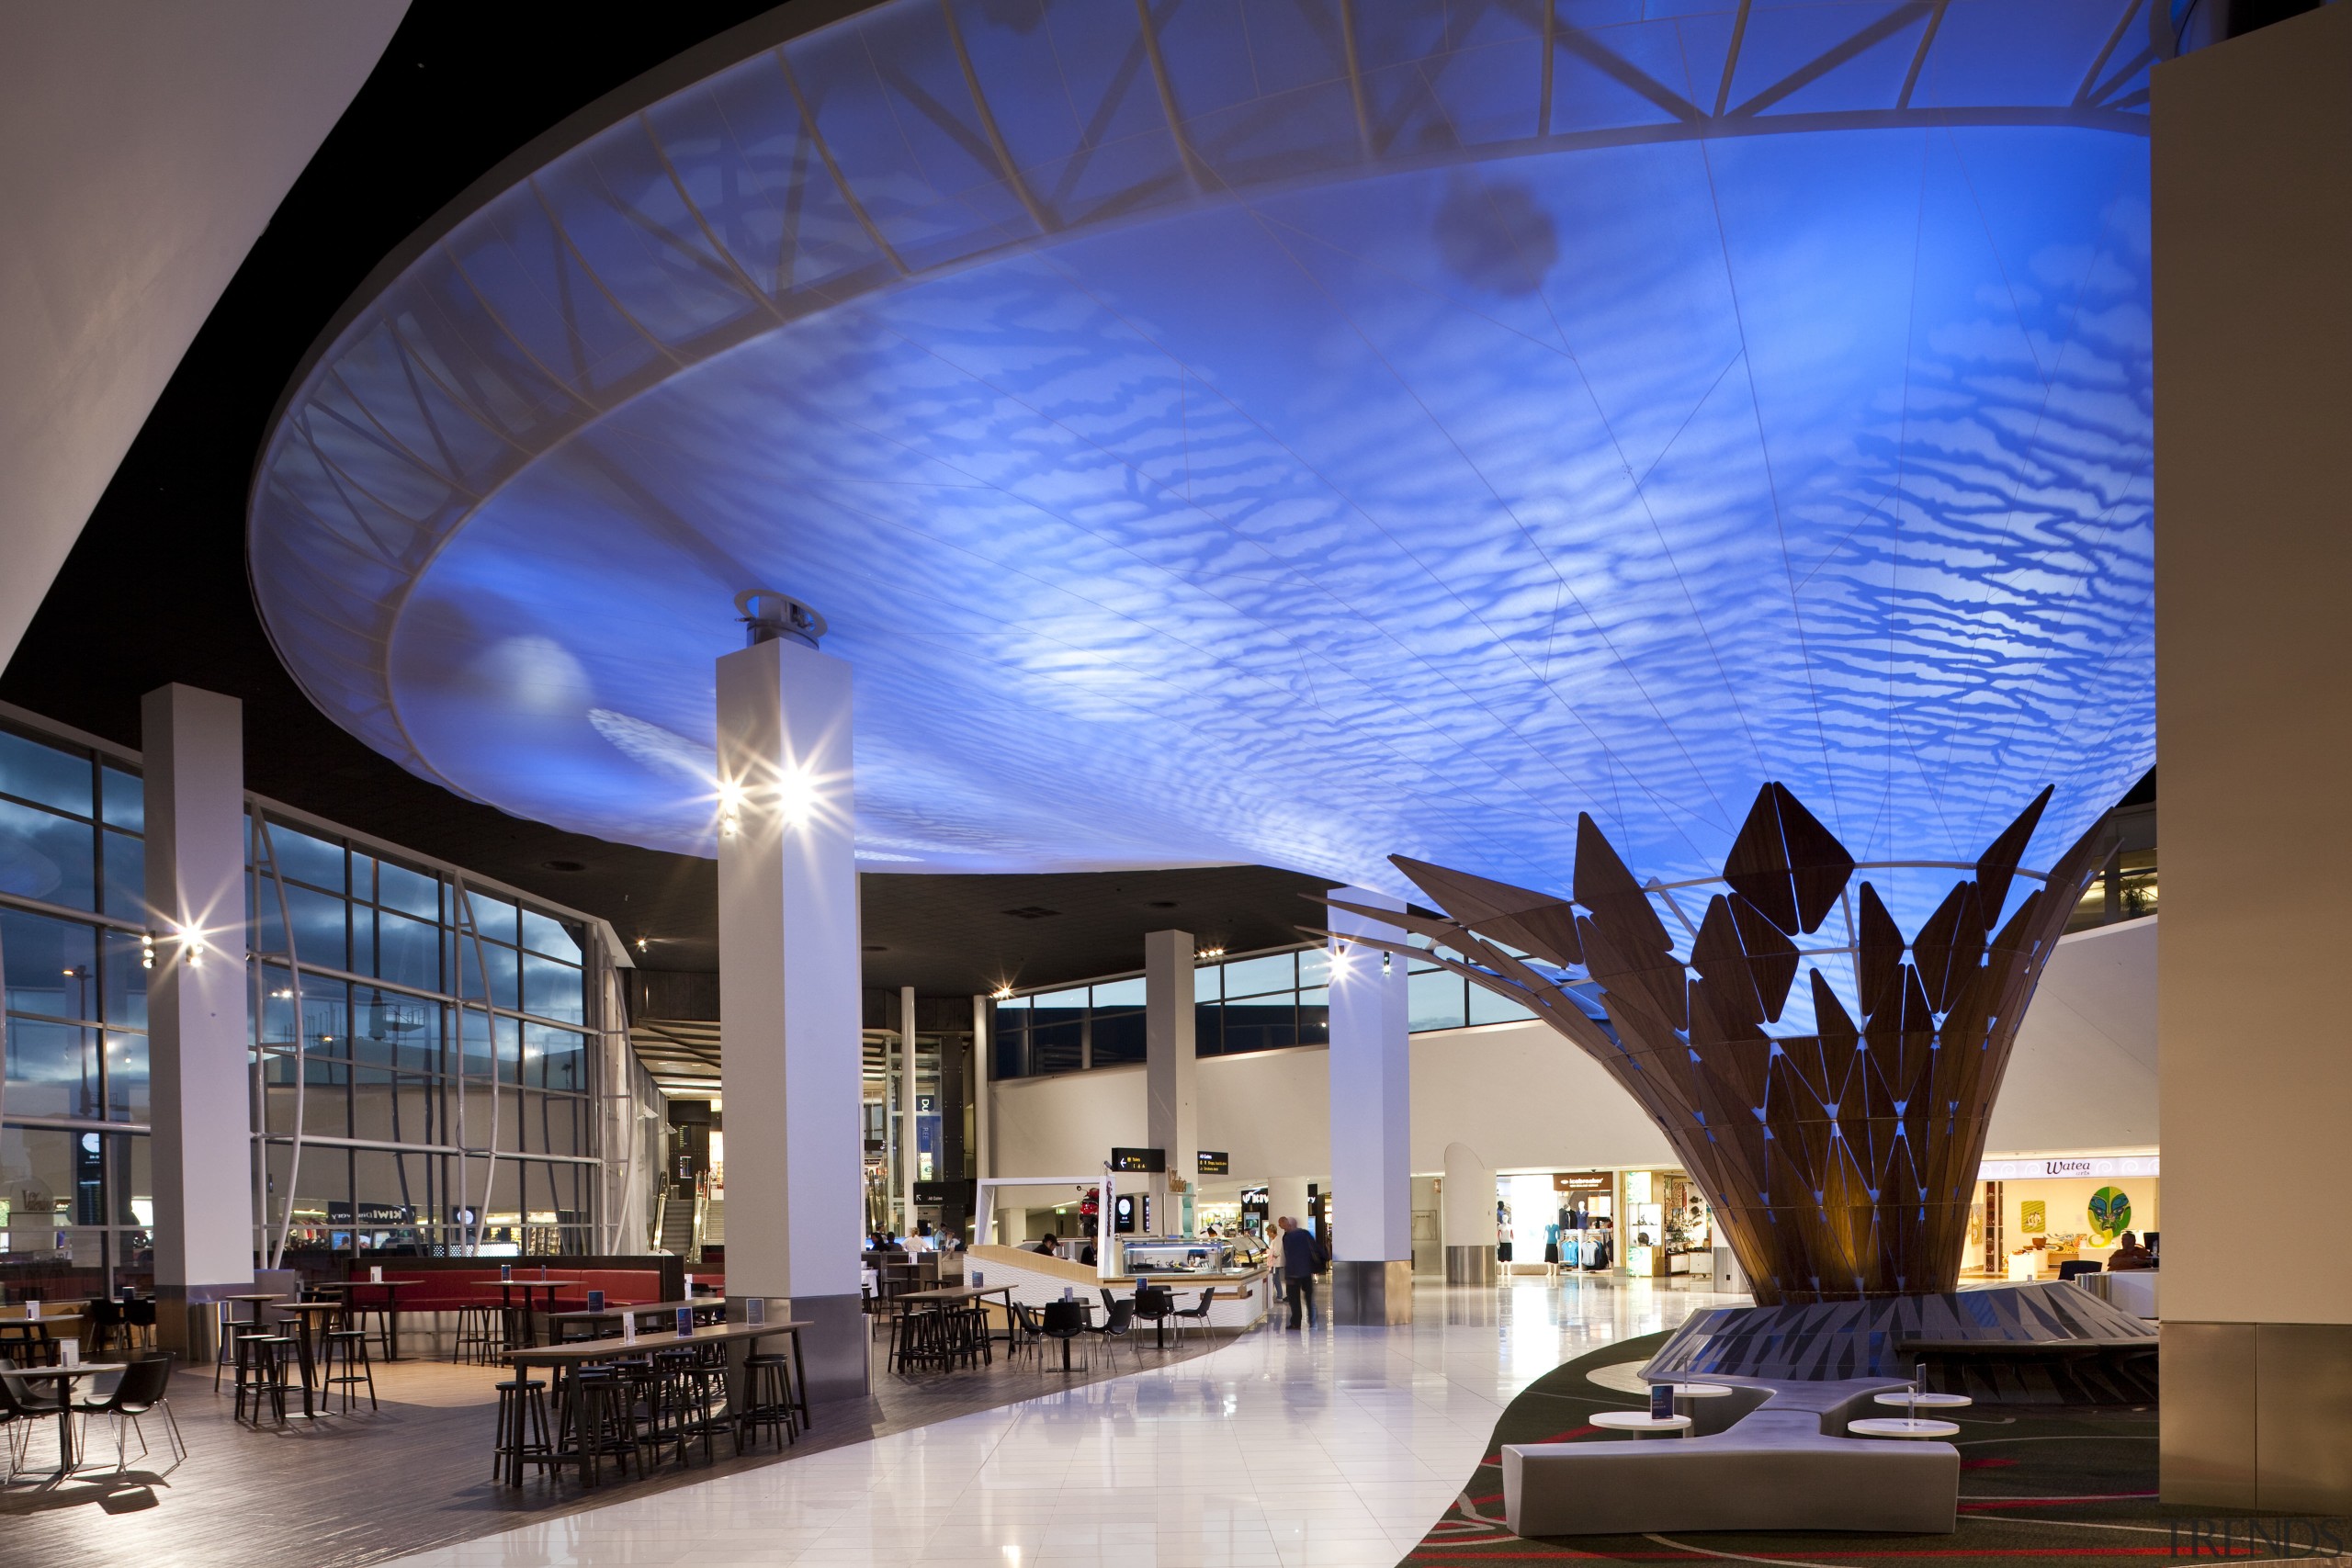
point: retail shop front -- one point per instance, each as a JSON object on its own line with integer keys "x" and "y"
{"x": 1641, "y": 1224}
{"x": 2034, "y": 1216}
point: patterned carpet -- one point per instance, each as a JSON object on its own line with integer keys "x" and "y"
{"x": 2037, "y": 1484}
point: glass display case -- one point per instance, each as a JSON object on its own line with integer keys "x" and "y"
{"x": 1176, "y": 1254}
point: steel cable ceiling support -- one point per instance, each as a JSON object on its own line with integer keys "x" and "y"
{"x": 302, "y": 1067}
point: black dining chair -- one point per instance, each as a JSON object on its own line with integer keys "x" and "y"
{"x": 1120, "y": 1326}
{"x": 1064, "y": 1321}
{"x": 1155, "y": 1304}
{"x": 1196, "y": 1317}
{"x": 21, "y": 1411}
{"x": 142, "y": 1390}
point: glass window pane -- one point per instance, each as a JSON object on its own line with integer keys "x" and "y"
{"x": 1487, "y": 1007}
{"x": 45, "y": 856}
{"x": 125, "y": 795}
{"x": 1120, "y": 994}
{"x": 1118, "y": 1037}
{"x": 555, "y": 1057}
{"x": 1320, "y": 996}
{"x": 1011, "y": 1044}
{"x": 53, "y": 1069}
{"x": 553, "y": 991}
{"x": 1056, "y": 1047}
{"x": 131, "y": 1188}
{"x": 1207, "y": 982}
{"x": 1260, "y": 976}
{"x": 1208, "y": 1030}
{"x": 121, "y": 962}
{"x": 1315, "y": 967}
{"x": 1260, "y": 1026}
{"x": 124, "y": 861}
{"x": 504, "y": 971}
{"x": 36, "y": 1173}
{"x": 496, "y": 917}
{"x": 49, "y": 962}
{"x": 1070, "y": 1001}
{"x": 410, "y": 892}
{"x": 318, "y": 925}
{"x": 1011, "y": 1003}
{"x": 305, "y": 859}
{"x": 40, "y": 772}
{"x": 1436, "y": 999}
{"x": 544, "y": 933}
{"x": 408, "y": 951}
{"x": 126, "y": 1077}
{"x": 326, "y": 1022}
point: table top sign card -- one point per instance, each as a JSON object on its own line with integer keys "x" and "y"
{"x": 506, "y": 1272}
{"x": 375, "y": 1273}
{"x": 1661, "y": 1401}
{"x": 755, "y": 1310}
{"x": 628, "y": 1326}
{"x": 685, "y": 1322}
{"x": 70, "y": 1350}
{"x": 978, "y": 1279}
{"x": 690, "y": 1285}
{"x": 595, "y": 1300}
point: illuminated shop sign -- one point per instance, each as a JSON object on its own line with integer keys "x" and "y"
{"x": 2099, "y": 1168}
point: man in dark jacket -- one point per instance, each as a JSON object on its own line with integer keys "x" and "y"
{"x": 1301, "y": 1256}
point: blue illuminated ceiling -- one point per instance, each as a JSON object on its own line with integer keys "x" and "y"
{"x": 1288, "y": 432}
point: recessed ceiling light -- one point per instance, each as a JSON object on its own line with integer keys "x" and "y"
{"x": 1031, "y": 912}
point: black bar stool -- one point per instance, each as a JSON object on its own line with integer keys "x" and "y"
{"x": 347, "y": 1366}
{"x": 768, "y": 1400}
{"x": 522, "y": 1430}
{"x": 262, "y": 1361}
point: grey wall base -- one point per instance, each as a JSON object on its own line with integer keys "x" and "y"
{"x": 2256, "y": 1416}
{"x": 1372, "y": 1294}
{"x": 1469, "y": 1265}
{"x": 834, "y": 1347}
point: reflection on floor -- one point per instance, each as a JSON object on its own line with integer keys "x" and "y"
{"x": 1339, "y": 1446}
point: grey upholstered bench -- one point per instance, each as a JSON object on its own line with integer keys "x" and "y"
{"x": 1784, "y": 1465}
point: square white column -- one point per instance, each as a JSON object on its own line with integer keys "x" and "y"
{"x": 789, "y": 1018}
{"x": 198, "y": 1027}
{"x": 1371, "y": 1067}
{"x": 1171, "y": 1104}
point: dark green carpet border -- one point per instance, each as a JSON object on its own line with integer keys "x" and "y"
{"x": 2037, "y": 1484}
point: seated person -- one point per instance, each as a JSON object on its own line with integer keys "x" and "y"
{"x": 1049, "y": 1243}
{"x": 2130, "y": 1255}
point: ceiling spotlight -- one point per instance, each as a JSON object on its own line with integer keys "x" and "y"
{"x": 1002, "y": 994}
{"x": 1209, "y": 952}
{"x": 641, "y": 944}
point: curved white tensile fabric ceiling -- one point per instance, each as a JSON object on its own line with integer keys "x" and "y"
{"x": 1282, "y": 432}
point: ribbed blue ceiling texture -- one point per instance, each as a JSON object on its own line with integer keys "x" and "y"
{"x": 1283, "y": 432}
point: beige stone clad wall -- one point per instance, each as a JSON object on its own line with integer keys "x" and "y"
{"x": 2253, "y": 150}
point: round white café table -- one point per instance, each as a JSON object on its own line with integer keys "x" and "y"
{"x": 1904, "y": 1400}
{"x": 1899, "y": 1426}
{"x": 1641, "y": 1423}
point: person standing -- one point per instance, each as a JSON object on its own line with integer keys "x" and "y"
{"x": 1302, "y": 1256}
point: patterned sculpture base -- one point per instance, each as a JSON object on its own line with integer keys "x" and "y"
{"x": 1826, "y": 1341}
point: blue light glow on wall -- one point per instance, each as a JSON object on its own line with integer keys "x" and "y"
{"x": 1404, "y": 447}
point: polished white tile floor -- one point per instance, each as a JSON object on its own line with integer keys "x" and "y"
{"x": 1287, "y": 1451}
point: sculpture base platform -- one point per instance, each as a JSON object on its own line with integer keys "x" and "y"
{"x": 2046, "y": 1325}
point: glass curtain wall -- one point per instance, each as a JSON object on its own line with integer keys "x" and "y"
{"x": 76, "y": 1197}
{"x": 1256, "y": 1002}
{"x": 442, "y": 1091}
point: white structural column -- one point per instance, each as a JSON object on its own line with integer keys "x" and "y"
{"x": 788, "y": 1003}
{"x": 909, "y": 1125}
{"x": 1370, "y": 1068}
{"x": 983, "y": 1118}
{"x": 1171, "y": 1104}
{"x": 1468, "y": 1217}
{"x": 196, "y": 1018}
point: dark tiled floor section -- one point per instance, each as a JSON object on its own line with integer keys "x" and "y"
{"x": 358, "y": 1489}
